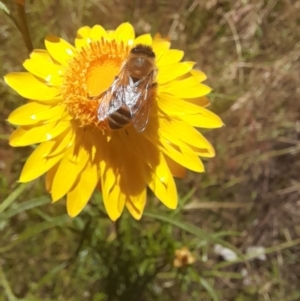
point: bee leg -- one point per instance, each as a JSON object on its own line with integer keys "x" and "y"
{"x": 96, "y": 96}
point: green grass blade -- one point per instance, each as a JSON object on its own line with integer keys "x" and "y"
{"x": 33, "y": 203}
{"x": 6, "y": 287}
{"x": 212, "y": 238}
{"x": 39, "y": 228}
{"x": 5, "y": 9}
{"x": 47, "y": 278}
{"x": 209, "y": 289}
{"x": 13, "y": 196}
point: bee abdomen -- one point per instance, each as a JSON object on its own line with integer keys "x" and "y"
{"x": 119, "y": 118}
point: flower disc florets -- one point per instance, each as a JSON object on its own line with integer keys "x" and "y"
{"x": 90, "y": 73}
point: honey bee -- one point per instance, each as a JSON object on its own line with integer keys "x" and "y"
{"x": 130, "y": 96}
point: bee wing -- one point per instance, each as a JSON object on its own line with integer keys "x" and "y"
{"x": 141, "y": 109}
{"x": 112, "y": 99}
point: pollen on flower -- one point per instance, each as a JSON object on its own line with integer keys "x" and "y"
{"x": 90, "y": 73}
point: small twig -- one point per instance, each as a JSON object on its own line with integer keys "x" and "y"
{"x": 237, "y": 45}
{"x": 23, "y": 25}
{"x": 215, "y": 205}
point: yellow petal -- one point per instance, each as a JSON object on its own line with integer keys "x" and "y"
{"x": 97, "y": 33}
{"x": 175, "y": 143}
{"x": 144, "y": 39}
{"x": 26, "y": 114}
{"x": 172, "y": 56}
{"x": 176, "y": 169}
{"x": 83, "y": 37}
{"x": 113, "y": 197}
{"x": 33, "y": 112}
{"x": 165, "y": 191}
{"x": 64, "y": 141}
{"x": 125, "y": 33}
{"x": 156, "y": 168}
{"x": 111, "y": 35}
{"x": 41, "y": 55}
{"x": 203, "y": 121}
{"x": 194, "y": 115}
{"x": 199, "y": 101}
{"x": 50, "y": 176}
{"x": 141, "y": 146}
{"x": 188, "y": 159}
{"x": 83, "y": 32}
{"x": 83, "y": 189}
{"x": 30, "y": 87}
{"x": 114, "y": 201}
{"x": 69, "y": 169}
{"x": 136, "y": 205}
{"x": 170, "y": 72}
{"x": 137, "y": 168}
{"x": 38, "y": 163}
{"x": 59, "y": 49}
{"x": 24, "y": 136}
{"x": 151, "y": 155}
{"x": 186, "y": 134}
{"x": 40, "y": 66}
{"x": 204, "y": 152}
{"x": 170, "y": 145}
{"x": 160, "y": 45}
{"x": 132, "y": 167}
{"x": 186, "y": 88}
{"x": 108, "y": 182}
{"x": 199, "y": 75}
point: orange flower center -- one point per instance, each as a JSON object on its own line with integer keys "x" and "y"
{"x": 88, "y": 75}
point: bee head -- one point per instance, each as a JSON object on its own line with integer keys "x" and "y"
{"x": 143, "y": 50}
{"x": 141, "y": 61}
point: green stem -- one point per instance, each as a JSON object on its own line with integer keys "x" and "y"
{"x": 24, "y": 27}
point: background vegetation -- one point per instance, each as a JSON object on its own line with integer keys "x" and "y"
{"x": 249, "y": 195}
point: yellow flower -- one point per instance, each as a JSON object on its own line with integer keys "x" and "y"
{"x": 78, "y": 153}
{"x": 183, "y": 257}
